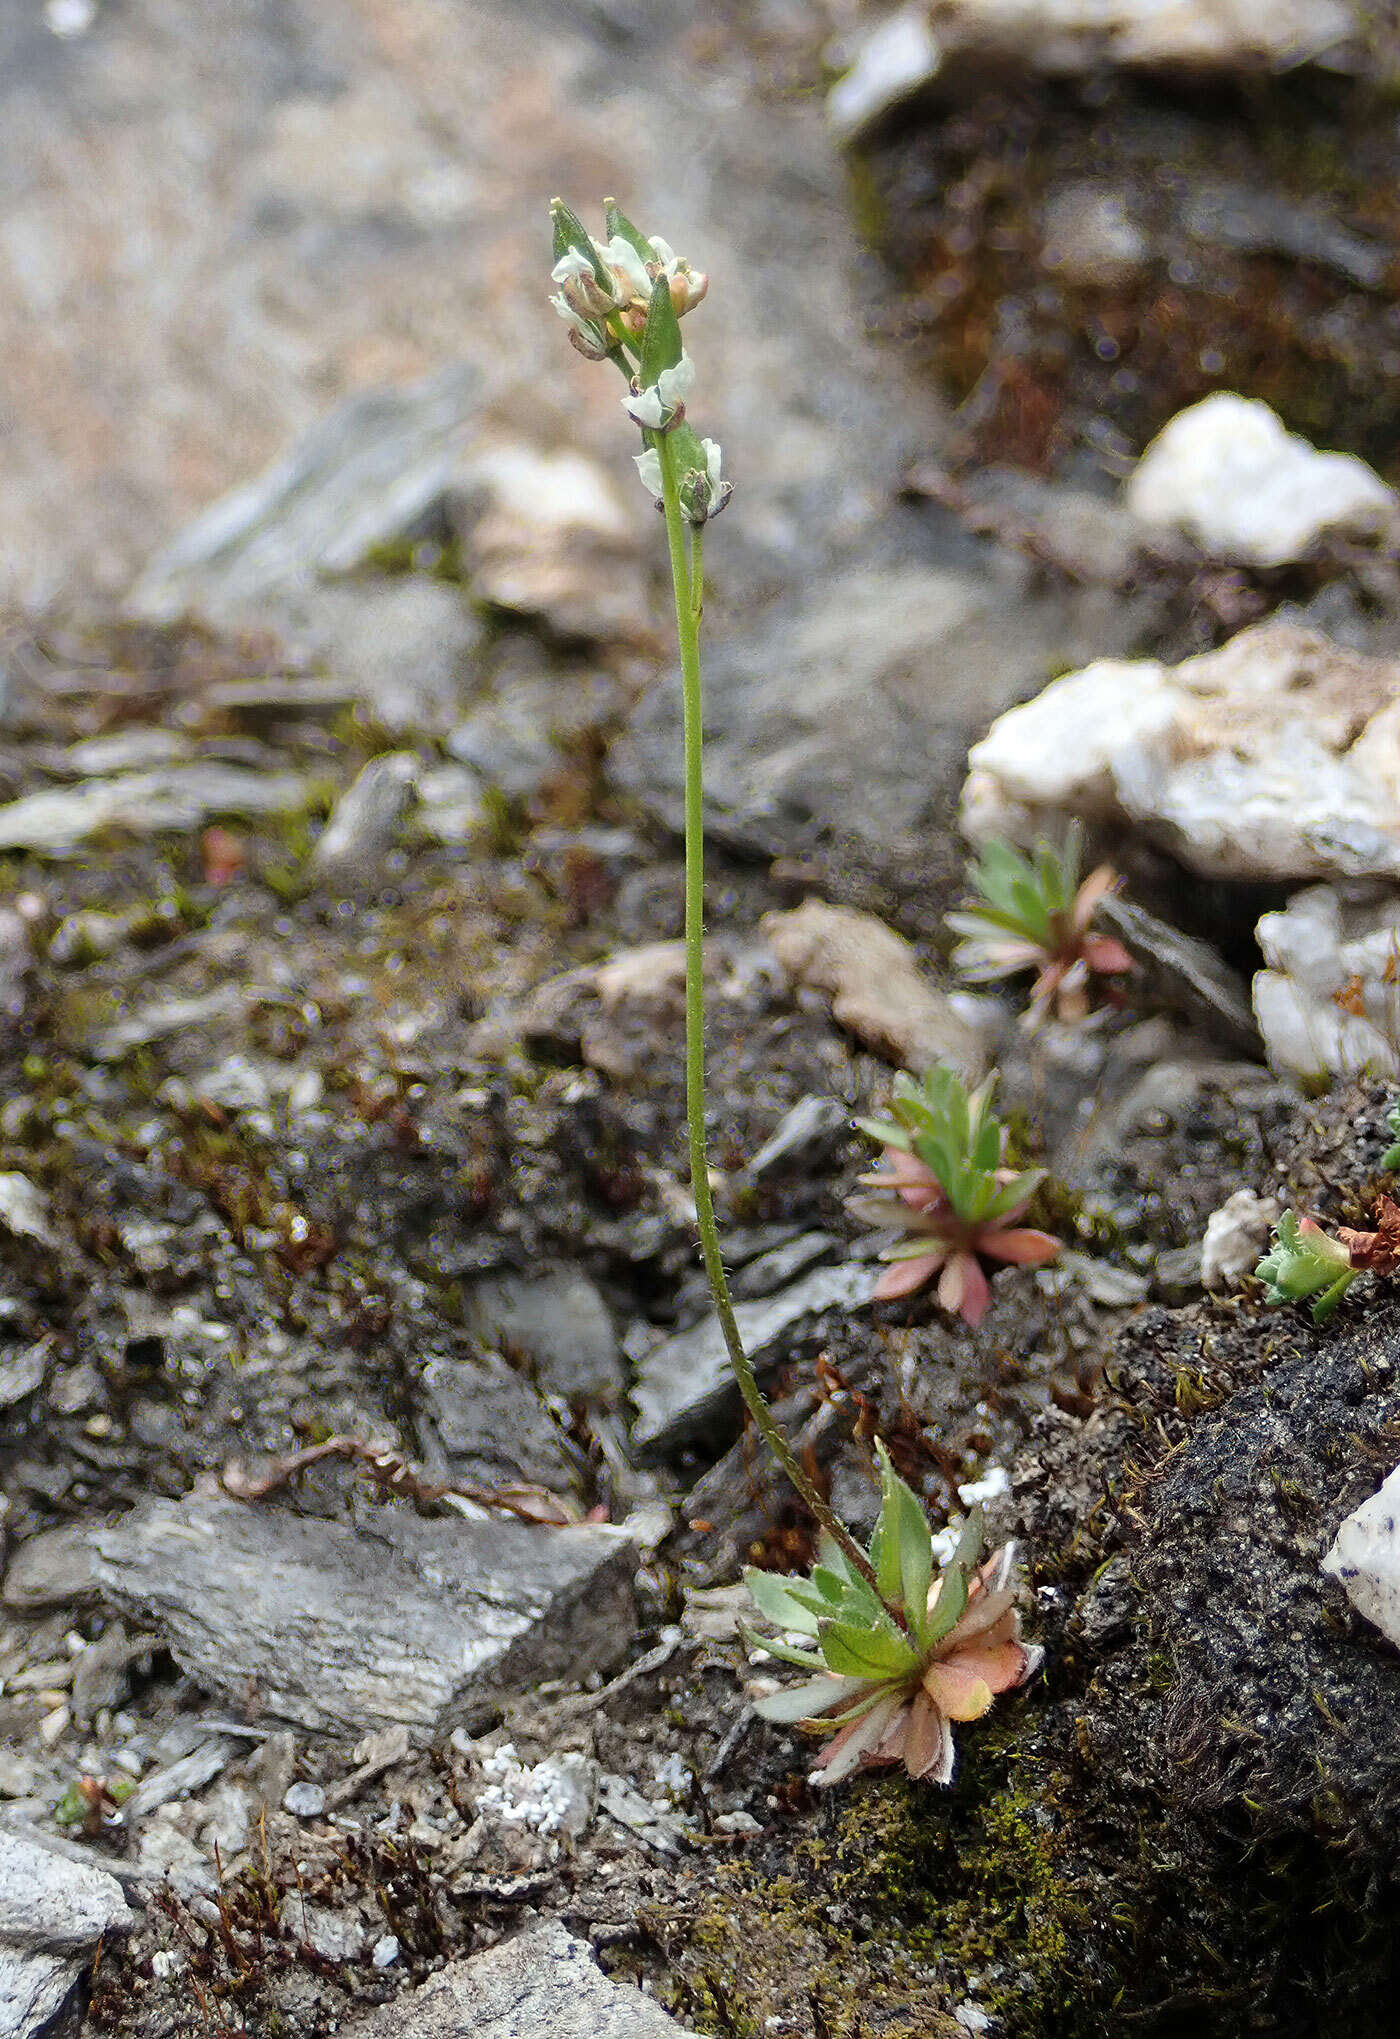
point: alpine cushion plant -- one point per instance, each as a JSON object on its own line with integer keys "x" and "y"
{"x": 894, "y": 1665}
{"x": 1308, "y": 1264}
{"x": 944, "y": 1187}
{"x": 1034, "y": 913}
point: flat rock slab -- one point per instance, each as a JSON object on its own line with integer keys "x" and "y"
{"x": 342, "y": 1630}
{"x": 543, "y": 1985}
{"x": 684, "y": 1386}
{"x": 52, "y": 1915}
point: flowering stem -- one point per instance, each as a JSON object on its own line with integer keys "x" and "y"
{"x": 686, "y": 578}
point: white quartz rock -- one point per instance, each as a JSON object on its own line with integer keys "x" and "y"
{"x": 1365, "y": 1556}
{"x": 1329, "y": 1001}
{"x": 1072, "y": 36}
{"x": 1236, "y": 1236}
{"x": 1230, "y": 475}
{"x": 894, "y": 58}
{"x": 1275, "y": 758}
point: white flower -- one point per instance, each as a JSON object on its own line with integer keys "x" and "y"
{"x": 656, "y": 406}
{"x": 665, "y": 254}
{"x": 649, "y": 468}
{"x": 629, "y": 268}
{"x": 704, "y": 493}
{"x": 579, "y": 287}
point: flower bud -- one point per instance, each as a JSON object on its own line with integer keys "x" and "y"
{"x": 703, "y": 491}
{"x": 687, "y": 287}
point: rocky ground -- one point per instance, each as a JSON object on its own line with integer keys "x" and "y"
{"x": 373, "y": 1488}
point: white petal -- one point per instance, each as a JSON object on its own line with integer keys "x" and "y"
{"x": 647, "y": 408}
{"x": 573, "y": 262}
{"x": 571, "y": 317}
{"x": 665, "y": 253}
{"x": 713, "y": 457}
{"x": 649, "y": 468}
{"x": 675, "y": 384}
{"x": 619, "y": 254}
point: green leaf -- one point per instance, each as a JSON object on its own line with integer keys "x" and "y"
{"x": 617, "y": 222}
{"x": 570, "y": 232}
{"x": 772, "y": 1594}
{"x": 858, "y": 1650}
{"x": 1018, "y": 1191}
{"x": 949, "y": 1606}
{"x": 884, "y": 1130}
{"x": 906, "y": 1543}
{"x": 787, "y": 1653}
{"x": 804, "y": 1702}
{"x": 661, "y": 340}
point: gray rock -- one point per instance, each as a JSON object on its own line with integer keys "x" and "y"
{"x": 549, "y": 534}
{"x": 483, "y": 1422}
{"x": 53, "y": 1569}
{"x": 807, "y": 1128}
{"x": 558, "y": 1323}
{"x": 339, "y": 1630}
{"x": 404, "y": 646}
{"x": 852, "y": 707}
{"x": 53, "y": 1913}
{"x": 542, "y": 1985}
{"x": 22, "y": 1372}
{"x": 332, "y": 1935}
{"x": 61, "y": 820}
{"x": 1091, "y": 238}
{"x": 1181, "y": 972}
{"x": 374, "y": 471}
{"x": 366, "y": 820}
{"x": 684, "y": 1387}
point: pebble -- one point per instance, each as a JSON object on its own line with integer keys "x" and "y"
{"x": 304, "y": 1800}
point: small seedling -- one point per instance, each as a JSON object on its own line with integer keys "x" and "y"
{"x": 1307, "y": 1263}
{"x": 894, "y": 1666}
{"x": 943, "y": 1185}
{"x": 1034, "y": 913}
{"x": 1391, "y": 1157}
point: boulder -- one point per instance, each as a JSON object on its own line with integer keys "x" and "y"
{"x": 1230, "y": 476}
{"x": 1275, "y": 758}
{"x": 1329, "y": 1001}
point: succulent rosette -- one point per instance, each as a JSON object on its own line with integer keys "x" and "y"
{"x": 944, "y": 1188}
{"x": 894, "y": 1668}
{"x": 1034, "y": 913}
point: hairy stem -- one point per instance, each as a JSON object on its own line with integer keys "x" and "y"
{"x": 686, "y": 577}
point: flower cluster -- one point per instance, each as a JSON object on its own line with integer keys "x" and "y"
{"x": 622, "y": 299}
{"x": 895, "y": 1665}
{"x": 1033, "y": 913}
{"x": 943, "y": 1185}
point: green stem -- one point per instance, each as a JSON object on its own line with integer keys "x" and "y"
{"x": 686, "y": 578}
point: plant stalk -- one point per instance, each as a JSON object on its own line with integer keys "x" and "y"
{"x": 686, "y": 579}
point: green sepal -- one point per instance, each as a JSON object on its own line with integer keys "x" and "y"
{"x": 617, "y": 222}
{"x": 661, "y": 339}
{"x": 570, "y": 232}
